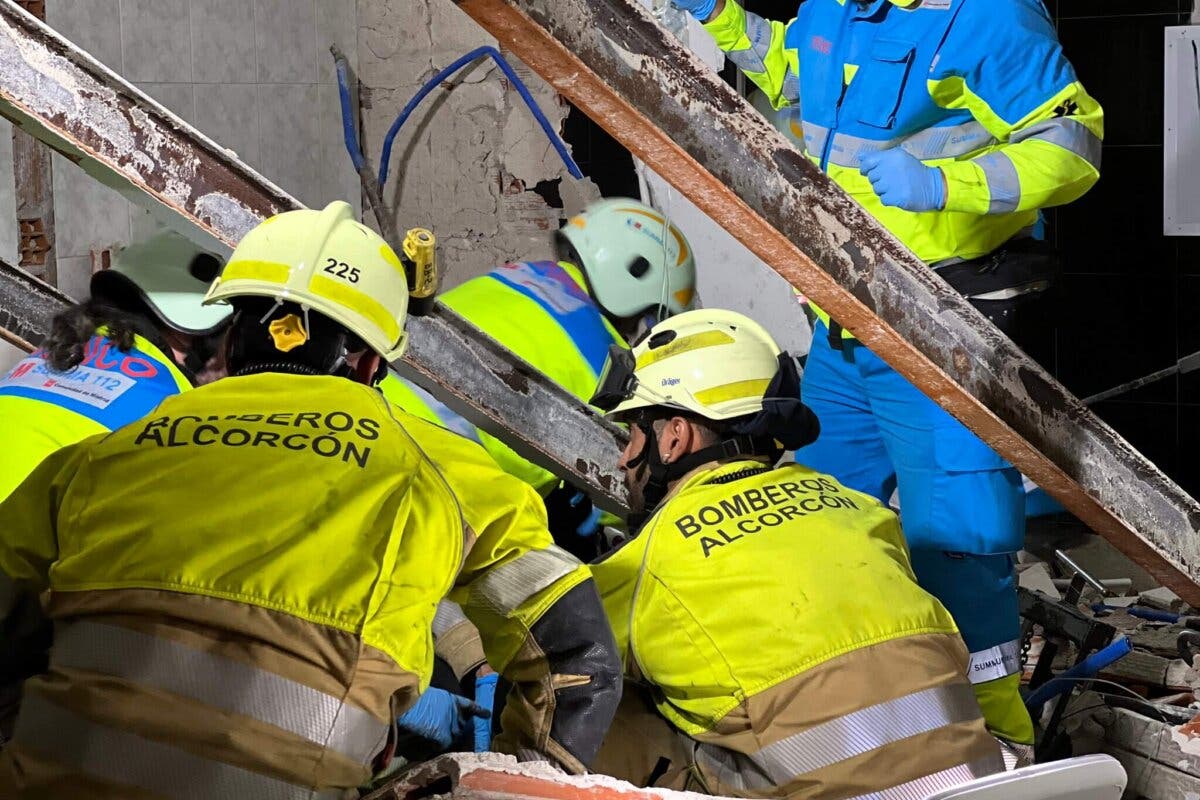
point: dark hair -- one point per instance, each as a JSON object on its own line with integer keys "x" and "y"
{"x": 252, "y": 348}
{"x": 71, "y": 329}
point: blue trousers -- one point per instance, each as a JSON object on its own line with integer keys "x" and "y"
{"x": 961, "y": 505}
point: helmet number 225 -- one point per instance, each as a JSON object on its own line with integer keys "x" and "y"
{"x": 341, "y": 269}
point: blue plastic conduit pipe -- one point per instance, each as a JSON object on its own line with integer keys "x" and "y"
{"x": 433, "y": 82}
{"x": 349, "y": 134}
{"x": 1085, "y": 669}
{"x": 1141, "y": 612}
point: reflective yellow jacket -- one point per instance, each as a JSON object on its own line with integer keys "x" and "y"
{"x": 243, "y": 586}
{"x": 776, "y": 620}
{"x": 42, "y": 410}
{"x": 980, "y": 88}
{"x": 542, "y": 312}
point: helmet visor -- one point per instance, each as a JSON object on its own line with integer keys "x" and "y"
{"x": 617, "y": 381}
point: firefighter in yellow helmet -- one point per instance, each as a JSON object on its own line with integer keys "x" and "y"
{"x": 775, "y": 641}
{"x": 243, "y": 584}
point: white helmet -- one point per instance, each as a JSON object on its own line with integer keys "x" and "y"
{"x": 620, "y": 247}
{"x": 169, "y": 275}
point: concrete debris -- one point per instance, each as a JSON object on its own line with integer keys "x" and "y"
{"x": 488, "y": 776}
{"x": 1162, "y": 598}
{"x": 1036, "y": 578}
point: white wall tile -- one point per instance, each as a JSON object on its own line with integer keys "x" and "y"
{"x": 337, "y": 23}
{"x": 288, "y": 137}
{"x": 176, "y": 97}
{"x": 87, "y": 214}
{"x": 9, "y": 356}
{"x": 228, "y": 113}
{"x": 336, "y": 177}
{"x": 156, "y": 41}
{"x": 223, "y": 48}
{"x": 8, "y": 197}
{"x": 75, "y": 276}
{"x": 285, "y": 33}
{"x": 94, "y": 25}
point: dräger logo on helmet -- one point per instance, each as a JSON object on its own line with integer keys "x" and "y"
{"x": 636, "y": 225}
{"x": 670, "y": 381}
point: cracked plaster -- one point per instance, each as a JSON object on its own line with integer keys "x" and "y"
{"x": 467, "y": 160}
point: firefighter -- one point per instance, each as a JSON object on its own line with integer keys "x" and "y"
{"x": 617, "y": 264}
{"x": 142, "y": 335}
{"x": 243, "y": 583}
{"x": 774, "y": 637}
{"x": 953, "y": 123}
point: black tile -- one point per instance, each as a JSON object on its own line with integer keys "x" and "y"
{"x": 1155, "y": 430}
{"x": 1188, "y": 337}
{"x": 1116, "y": 228}
{"x": 1111, "y": 330}
{"x": 1187, "y": 466}
{"x": 1120, "y": 62}
{"x": 1108, "y": 8}
{"x": 1187, "y": 259}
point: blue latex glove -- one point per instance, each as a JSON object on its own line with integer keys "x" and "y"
{"x": 440, "y": 717}
{"x": 485, "y": 697}
{"x": 902, "y": 181}
{"x": 700, "y": 9}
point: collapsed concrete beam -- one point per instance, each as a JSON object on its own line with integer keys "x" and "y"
{"x": 610, "y": 59}
{"x": 62, "y": 96}
{"x": 27, "y": 305}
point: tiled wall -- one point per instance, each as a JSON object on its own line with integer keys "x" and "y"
{"x": 1130, "y": 294}
{"x": 255, "y": 75}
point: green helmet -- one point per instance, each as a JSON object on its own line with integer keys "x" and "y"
{"x": 168, "y": 275}
{"x": 619, "y": 246}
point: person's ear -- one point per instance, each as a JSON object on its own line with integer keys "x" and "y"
{"x": 366, "y": 368}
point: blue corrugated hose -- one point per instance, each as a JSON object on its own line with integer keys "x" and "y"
{"x": 458, "y": 64}
{"x": 349, "y": 134}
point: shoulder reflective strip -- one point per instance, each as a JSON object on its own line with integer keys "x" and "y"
{"x": 1004, "y": 184}
{"x": 221, "y": 683}
{"x": 448, "y": 616}
{"x": 685, "y": 344}
{"x": 845, "y": 737}
{"x": 929, "y": 785}
{"x": 449, "y": 419}
{"x": 1068, "y": 134}
{"x": 753, "y": 57}
{"x": 124, "y": 758}
{"x": 930, "y": 144}
{"x": 359, "y": 302}
{"x": 506, "y": 587}
{"x": 733, "y": 391}
{"x": 250, "y": 270}
{"x": 995, "y": 663}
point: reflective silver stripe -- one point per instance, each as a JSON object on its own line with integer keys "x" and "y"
{"x": 124, "y": 758}
{"x": 927, "y": 145}
{"x": 842, "y": 738}
{"x": 1004, "y": 184}
{"x": 448, "y": 616}
{"x": 995, "y": 662}
{"x": 447, "y": 417}
{"x": 507, "y": 586}
{"x": 814, "y": 137}
{"x": 922, "y": 788}
{"x": 752, "y": 58}
{"x": 1067, "y": 133}
{"x": 221, "y": 683}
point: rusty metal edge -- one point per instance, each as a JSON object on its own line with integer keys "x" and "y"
{"x": 62, "y": 96}
{"x": 612, "y": 61}
{"x": 27, "y": 305}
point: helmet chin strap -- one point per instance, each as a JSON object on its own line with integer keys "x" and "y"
{"x": 663, "y": 474}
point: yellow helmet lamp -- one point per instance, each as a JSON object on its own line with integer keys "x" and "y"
{"x": 329, "y": 262}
